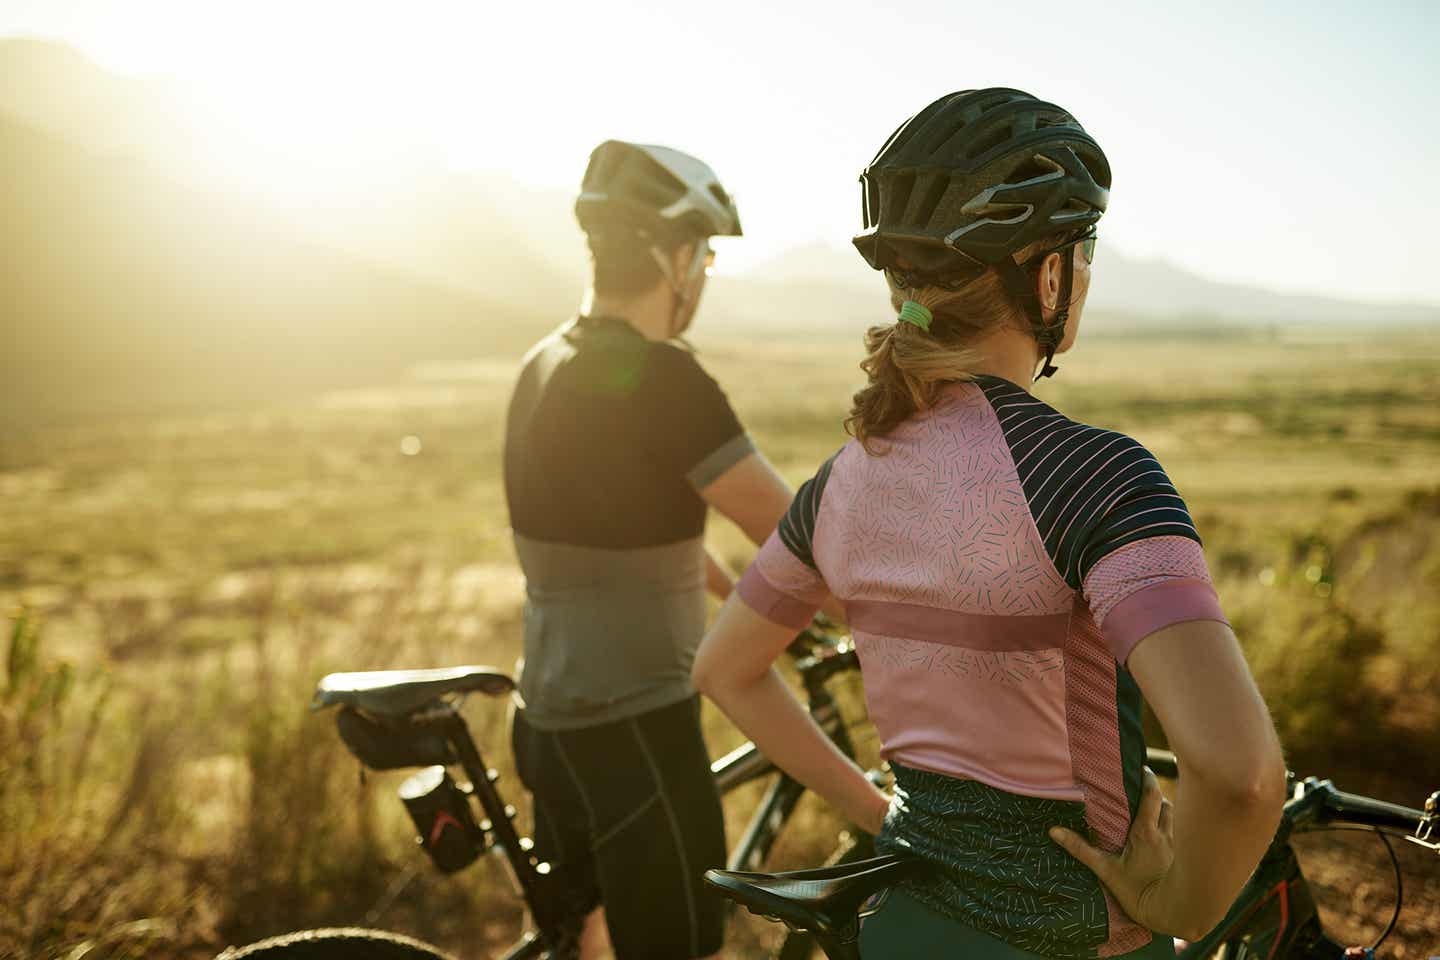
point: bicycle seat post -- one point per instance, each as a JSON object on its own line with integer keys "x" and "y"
{"x": 501, "y": 815}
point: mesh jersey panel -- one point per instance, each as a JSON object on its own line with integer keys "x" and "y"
{"x": 1142, "y": 564}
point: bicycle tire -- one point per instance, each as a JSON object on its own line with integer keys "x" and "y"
{"x": 338, "y": 943}
{"x": 802, "y": 946}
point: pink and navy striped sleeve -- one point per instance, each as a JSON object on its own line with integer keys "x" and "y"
{"x": 1113, "y": 523}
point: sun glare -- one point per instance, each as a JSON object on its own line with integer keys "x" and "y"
{"x": 318, "y": 134}
{"x": 320, "y": 107}
{"x": 313, "y": 104}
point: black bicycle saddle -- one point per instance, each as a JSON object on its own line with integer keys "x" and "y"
{"x": 825, "y": 900}
{"x": 393, "y": 693}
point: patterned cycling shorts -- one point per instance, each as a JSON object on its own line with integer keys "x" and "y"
{"x": 899, "y": 927}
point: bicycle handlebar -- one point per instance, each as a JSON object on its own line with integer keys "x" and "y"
{"x": 1163, "y": 762}
{"x": 1315, "y": 801}
{"x": 1352, "y": 808}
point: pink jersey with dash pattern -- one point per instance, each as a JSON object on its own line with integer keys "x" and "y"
{"x": 997, "y": 564}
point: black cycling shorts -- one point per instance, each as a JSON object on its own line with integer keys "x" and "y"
{"x": 628, "y": 815}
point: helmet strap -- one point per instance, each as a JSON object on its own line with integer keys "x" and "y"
{"x": 1055, "y": 331}
{"x": 662, "y": 260}
{"x": 681, "y": 287}
{"x": 677, "y": 287}
{"x": 1021, "y": 287}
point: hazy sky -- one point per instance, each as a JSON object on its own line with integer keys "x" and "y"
{"x": 1290, "y": 145}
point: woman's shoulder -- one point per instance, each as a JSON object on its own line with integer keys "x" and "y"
{"x": 1031, "y": 424}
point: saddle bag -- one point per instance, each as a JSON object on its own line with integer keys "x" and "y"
{"x": 388, "y": 747}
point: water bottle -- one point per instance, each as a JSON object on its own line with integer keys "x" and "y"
{"x": 442, "y": 814}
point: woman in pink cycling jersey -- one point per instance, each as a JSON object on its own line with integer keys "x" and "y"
{"x": 1016, "y": 582}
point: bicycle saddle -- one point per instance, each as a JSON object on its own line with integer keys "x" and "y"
{"x": 823, "y": 901}
{"x": 394, "y": 693}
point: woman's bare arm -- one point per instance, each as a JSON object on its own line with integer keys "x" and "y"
{"x": 1183, "y": 866}
{"x": 734, "y": 668}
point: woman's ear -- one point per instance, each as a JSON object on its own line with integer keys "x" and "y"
{"x": 1047, "y": 282}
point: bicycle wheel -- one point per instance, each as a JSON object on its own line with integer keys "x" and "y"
{"x": 802, "y": 946}
{"x": 344, "y": 943}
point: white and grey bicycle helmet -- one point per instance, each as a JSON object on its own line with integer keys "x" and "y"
{"x": 658, "y": 196}
{"x": 661, "y": 191}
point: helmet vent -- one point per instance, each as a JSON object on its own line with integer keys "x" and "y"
{"x": 999, "y": 98}
{"x": 869, "y": 201}
{"x": 902, "y": 186}
{"x": 947, "y": 133}
{"x": 975, "y": 177}
{"x": 999, "y": 134}
{"x": 933, "y": 195}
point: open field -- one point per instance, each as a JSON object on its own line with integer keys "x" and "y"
{"x": 174, "y": 587}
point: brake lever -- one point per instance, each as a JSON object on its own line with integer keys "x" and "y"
{"x": 1427, "y": 831}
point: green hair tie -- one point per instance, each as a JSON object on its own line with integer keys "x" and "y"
{"x": 918, "y": 314}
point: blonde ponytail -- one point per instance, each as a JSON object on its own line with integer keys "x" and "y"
{"x": 908, "y": 367}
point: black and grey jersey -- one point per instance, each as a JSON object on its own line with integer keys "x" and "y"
{"x": 609, "y": 439}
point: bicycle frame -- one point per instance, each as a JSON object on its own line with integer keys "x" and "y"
{"x": 1275, "y": 914}
{"x": 822, "y": 659}
{"x": 1273, "y": 917}
{"x": 497, "y": 831}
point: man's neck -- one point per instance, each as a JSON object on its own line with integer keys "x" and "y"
{"x": 651, "y": 314}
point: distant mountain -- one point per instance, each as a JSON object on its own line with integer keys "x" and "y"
{"x": 1127, "y": 294}
{"x": 814, "y": 288}
{"x": 121, "y": 291}
{"x": 57, "y": 89}
{"x": 132, "y": 278}
{"x": 490, "y": 238}
{"x": 1144, "y": 288}
{"x": 488, "y": 235}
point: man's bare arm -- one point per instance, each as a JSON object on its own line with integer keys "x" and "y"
{"x": 751, "y": 495}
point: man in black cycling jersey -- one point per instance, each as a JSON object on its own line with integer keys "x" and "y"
{"x": 616, "y": 443}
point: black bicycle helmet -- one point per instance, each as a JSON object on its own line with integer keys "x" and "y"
{"x": 658, "y": 192}
{"x": 973, "y": 178}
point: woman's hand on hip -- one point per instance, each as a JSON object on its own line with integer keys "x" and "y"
{"x": 1136, "y": 877}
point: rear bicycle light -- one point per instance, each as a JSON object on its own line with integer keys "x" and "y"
{"x": 442, "y": 814}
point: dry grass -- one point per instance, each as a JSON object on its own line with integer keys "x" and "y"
{"x": 178, "y": 586}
